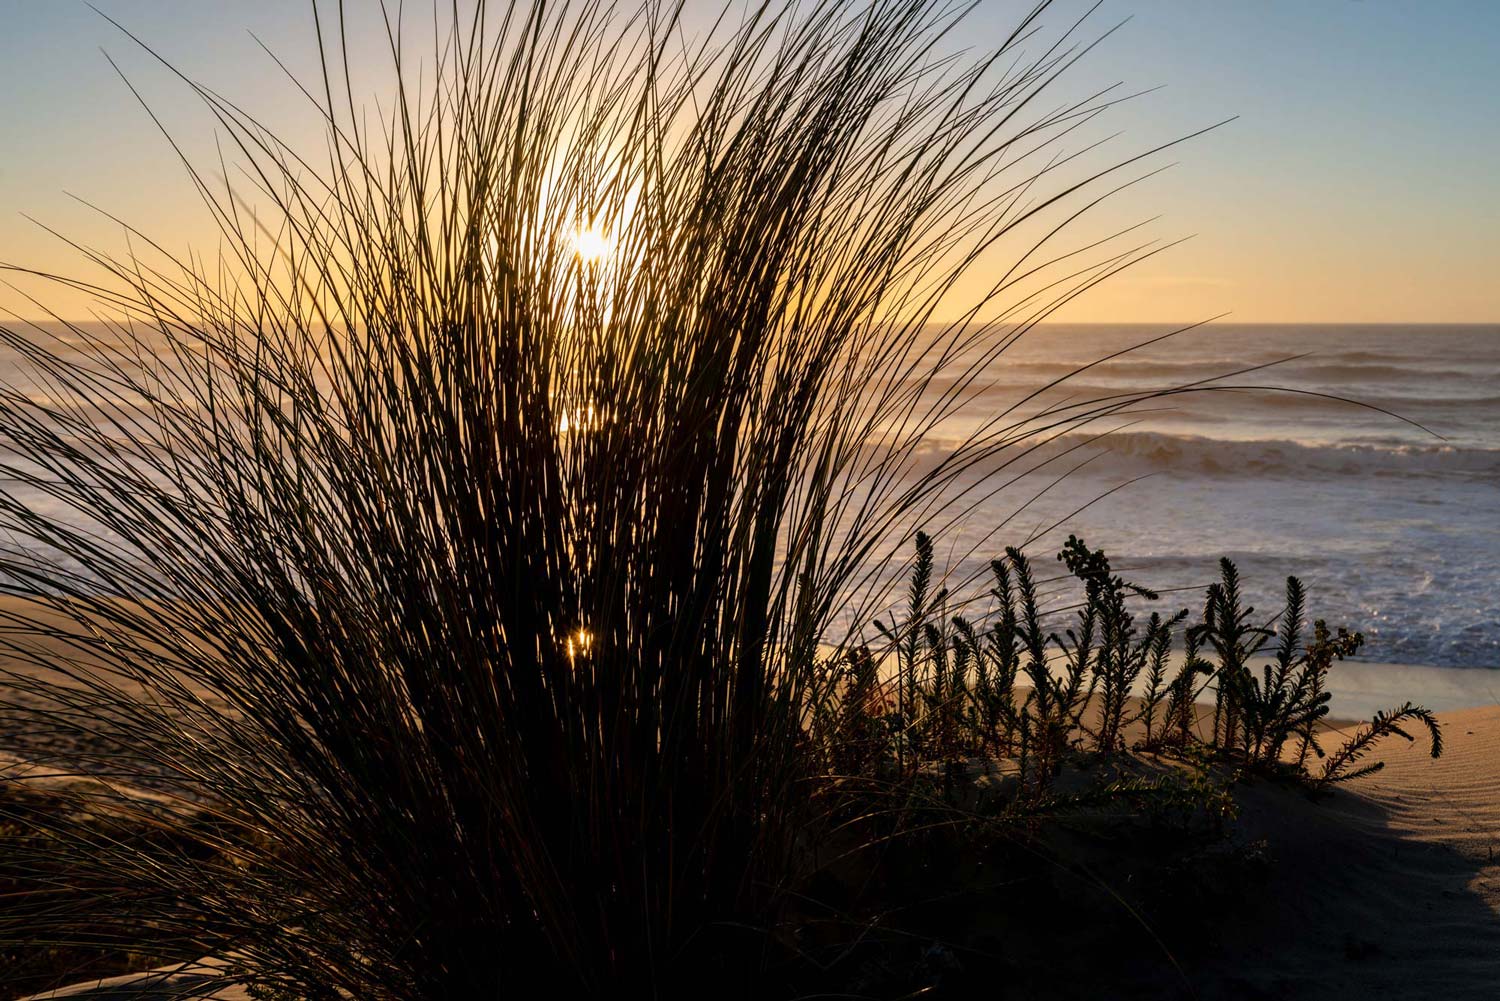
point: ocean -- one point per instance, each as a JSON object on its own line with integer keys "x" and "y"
{"x": 1394, "y": 528}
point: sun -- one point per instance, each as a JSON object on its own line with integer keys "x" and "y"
{"x": 592, "y": 245}
{"x": 578, "y": 644}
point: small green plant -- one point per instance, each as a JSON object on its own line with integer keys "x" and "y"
{"x": 1257, "y": 717}
{"x": 1343, "y": 764}
{"x": 856, "y": 721}
{"x": 1008, "y": 687}
{"x": 1122, "y": 651}
{"x": 1158, "y": 689}
{"x": 999, "y": 660}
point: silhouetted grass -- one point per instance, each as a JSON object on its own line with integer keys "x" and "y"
{"x": 456, "y": 556}
{"x": 467, "y": 583}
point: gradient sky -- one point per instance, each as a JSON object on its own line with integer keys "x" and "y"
{"x": 1361, "y": 181}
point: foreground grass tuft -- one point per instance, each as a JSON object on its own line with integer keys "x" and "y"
{"x": 461, "y": 539}
{"x": 460, "y": 549}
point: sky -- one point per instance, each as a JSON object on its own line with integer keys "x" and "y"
{"x": 1359, "y": 182}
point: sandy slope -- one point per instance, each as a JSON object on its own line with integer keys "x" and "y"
{"x": 173, "y": 983}
{"x": 1391, "y": 887}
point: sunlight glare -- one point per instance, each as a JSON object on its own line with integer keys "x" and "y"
{"x": 579, "y": 644}
{"x": 576, "y": 421}
{"x": 592, "y": 245}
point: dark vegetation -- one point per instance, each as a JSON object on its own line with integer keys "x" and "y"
{"x": 1013, "y": 689}
{"x": 976, "y": 761}
{"x": 954, "y": 759}
{"x": 32, "y": 862}
{"x": 470, "y": 604}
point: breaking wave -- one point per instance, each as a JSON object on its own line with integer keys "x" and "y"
{"x": 1197, "y": 454}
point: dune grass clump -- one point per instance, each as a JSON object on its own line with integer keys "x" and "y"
{"x": 29, "y": 858}
{"x": 456, "y": 547}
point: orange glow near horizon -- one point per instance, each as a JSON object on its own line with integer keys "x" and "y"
{"x": 1305, "y": 209}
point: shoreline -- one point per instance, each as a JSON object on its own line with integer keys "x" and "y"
{"x": 1360, "y": 688}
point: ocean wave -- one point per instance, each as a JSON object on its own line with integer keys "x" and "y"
{"x": 1388, "y": 371}
{"x": 1197, "y": 454}
{"x": 1269, "y": 396}
{"x": 1336, "y": 369}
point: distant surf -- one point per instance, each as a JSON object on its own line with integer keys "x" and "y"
{"x": 1395, "y": 529}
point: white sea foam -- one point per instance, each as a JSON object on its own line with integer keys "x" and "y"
{"x": 1395, "y": 529}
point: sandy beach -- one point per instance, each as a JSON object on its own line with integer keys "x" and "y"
{"x": 1389, "y": 885}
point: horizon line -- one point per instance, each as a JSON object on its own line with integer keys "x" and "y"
{"x": 1221, "y": 322}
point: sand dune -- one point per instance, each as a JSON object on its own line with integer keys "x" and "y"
{"x": 1389, "y": 886}
{"x": 172, "y": 983}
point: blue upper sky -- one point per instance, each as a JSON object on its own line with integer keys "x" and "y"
{"x": 1360, "y": 181}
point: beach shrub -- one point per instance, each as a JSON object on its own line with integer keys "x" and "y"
{"x": 1121, "y": 654}
{"x": 462, "y": 538}
{"x": 1101, "y": 677}
{"x": 1341, "y": 764}
{"x": 1256, "y": 718}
